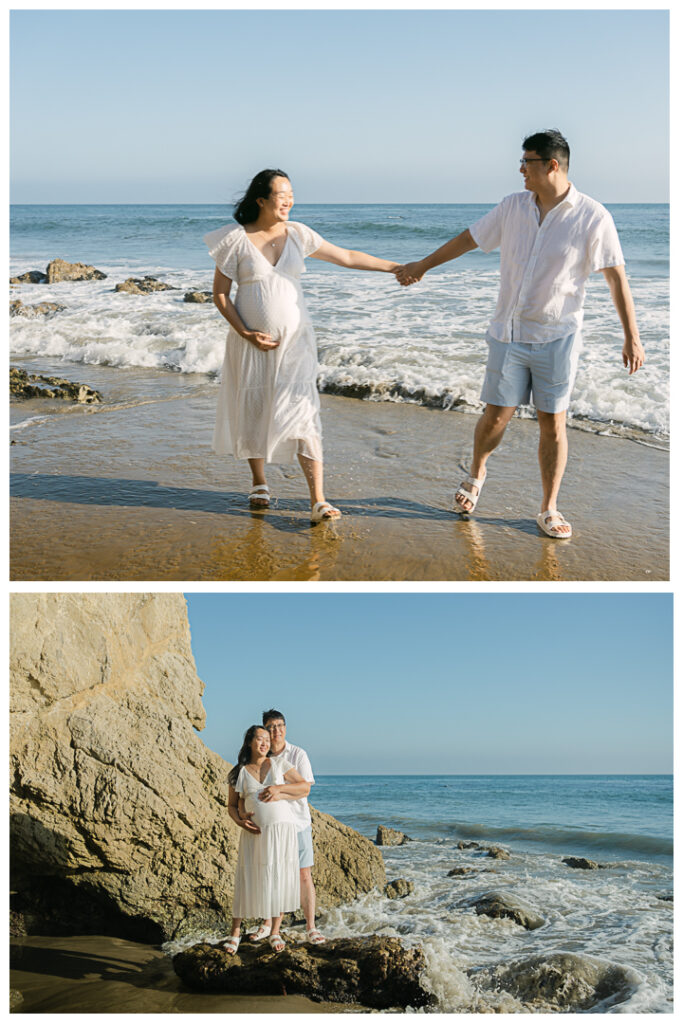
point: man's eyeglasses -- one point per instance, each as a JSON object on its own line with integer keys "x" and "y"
{"x": 530, "y": 160}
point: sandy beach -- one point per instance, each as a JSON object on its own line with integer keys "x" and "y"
{"x": 101, "y": 974}
{"x": 132, "y": 491}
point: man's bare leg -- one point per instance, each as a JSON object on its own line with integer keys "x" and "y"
{"x": 307, "y": 897}
{"x": 552, "y": 458}
{"x": 487, "y": 436}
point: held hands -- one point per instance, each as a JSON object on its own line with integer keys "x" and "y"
{"x": 633, "y": 355}
{"x": 261, "y": 341}
{"x": 411, "y": 273}
{"x": 269, "y": 794}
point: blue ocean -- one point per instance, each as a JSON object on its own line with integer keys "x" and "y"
{"x": 423, "y": 344}
{"x": 620, "y": 913}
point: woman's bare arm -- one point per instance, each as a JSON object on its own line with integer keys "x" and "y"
{"x": 224, "y": 305}
{"x": 353, "y": 260}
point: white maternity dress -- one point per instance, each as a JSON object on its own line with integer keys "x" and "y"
{"x": 268, "y": 404}
{"x": 267, "y": 874}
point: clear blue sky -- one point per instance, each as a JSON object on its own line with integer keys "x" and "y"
{"x": 446, "y": 683}
{"x": 357, "y": 106}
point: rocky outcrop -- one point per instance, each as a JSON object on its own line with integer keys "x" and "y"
{"x": 17, "y": 308}
{"x": 142, "y": 286}
{"x": 32, "y": 385}
{"x": 390, "y": 837}
{"x": 30, "y": 277}
{"x": 398, "y": 889}
{"x": 60, "y": 270}
{"x": 373, "y": 971}
{"x": 503, "y": 904}
{"x": 119, "y": 818}
{"x": 198, "y": 297}
{"x": 560, "y": 982}
{"x": 583, "y": 863}
{"x": 498, "y": 853}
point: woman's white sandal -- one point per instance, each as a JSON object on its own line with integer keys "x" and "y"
{"x": 315, "y": 937}
{"x": 262, "y": 932}
{"x": 550, "y": 528}
{"x": 230, "y": 945}
{"x": 277, "y": 943}
{"x": 322, "y": 510}
{"x": 469, "y": 495}
{"x": 259, "y": 496}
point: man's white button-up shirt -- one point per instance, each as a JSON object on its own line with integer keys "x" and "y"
{"x": 544, "y": 266}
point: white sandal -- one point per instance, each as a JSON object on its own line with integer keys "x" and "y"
{"x": 469, "y": 495}
{"x": 259, "y": 496}
{"x": 322, "y": 510}
{"x": 551, "y": 528}
{"x": 315, "y": 937}
{"x": 262, "y": 932}
{"x": 230, "y": 945}
{"x": 277, "y": 943}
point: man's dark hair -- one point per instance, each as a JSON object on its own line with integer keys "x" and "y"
{"x": 550, "y": 145}
{"x": 268, "y": 715}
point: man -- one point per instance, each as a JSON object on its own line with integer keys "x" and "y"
{"x": 274, "y": 722}
{"x": 551, "y": 238}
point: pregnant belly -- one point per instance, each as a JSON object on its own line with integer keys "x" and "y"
{"x": 265, "y": 814}
{"x": 276, "y": 309}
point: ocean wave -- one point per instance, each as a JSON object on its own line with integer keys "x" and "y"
{"x": 554, "y": 836}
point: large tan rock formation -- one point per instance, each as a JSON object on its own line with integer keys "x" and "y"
{"x": 119, "y": 816}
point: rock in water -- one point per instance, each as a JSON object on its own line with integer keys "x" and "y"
{"x": 33, "y": 385}
{"x": 582, "y": 863}
{"x": 17, "y": 308}
{"x": 198, "y": 297}
{"x": 398, "y": 889}
{"x": 558, "y": 982}
{"x": 504, "y": 904}
{"x": 60, "y": 270}
{"x": 498, "y": 853}
{"x": 390, "y": 837}
{"x": 30, "y": 277}
{"x": 119, "y": 818}
{"x": 142, "y": 286}
{"x": 374, "y": 971}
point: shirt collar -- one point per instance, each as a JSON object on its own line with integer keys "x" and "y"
{"x": 571, "y": 198}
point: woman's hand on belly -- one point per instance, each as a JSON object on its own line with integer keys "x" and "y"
{"x": 259, "y": 340}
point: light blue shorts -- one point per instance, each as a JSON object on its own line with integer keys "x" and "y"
{"x": 305, "y": 838}
{"x": 516, "y": 370}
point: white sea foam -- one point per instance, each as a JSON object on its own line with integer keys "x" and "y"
{"x": 422, "y": 344}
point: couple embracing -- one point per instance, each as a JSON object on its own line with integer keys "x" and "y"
{"x": 269, "y": 785}
{"x": 551, "y": 238}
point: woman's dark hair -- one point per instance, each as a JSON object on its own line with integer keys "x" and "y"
{"x": 247, "y": 209}
{"x": 244, "y": 756}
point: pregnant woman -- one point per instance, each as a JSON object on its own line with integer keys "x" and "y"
{"x": 268, "y": 405}
{"x": 267, "y": 874}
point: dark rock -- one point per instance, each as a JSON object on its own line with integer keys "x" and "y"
{"x": 32, "y": 385}
{"x": 390, "y": 837}
{"x": 503, "y": 904}
{"x": 498, "y": 853}
{"x": 60, "y": 270}
{"x": 30, "y": 277}
{"x": 142, "y": 286}
{"x": 582, "y": 862}
{"x": 17, "y": 308}
{"x": 15, "y": 999}
{"x": 198, "y": 297}
{"x": 397, "y": 889}
{"x": 457, "y": 872}
{"x": 467, "y": 844}
{"x": 668, "y": 897}
{"x": 558, "y": 982}
{"x": 373, "y": 971}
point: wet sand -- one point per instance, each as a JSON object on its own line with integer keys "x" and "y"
{"x": 136, "y": 494}
{"x": 98, "y": 974}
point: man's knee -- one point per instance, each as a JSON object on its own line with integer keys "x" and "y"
{"x": 497, "y": 416}
{"x": 305, "y": 876}
{"x": 552, "y": 424}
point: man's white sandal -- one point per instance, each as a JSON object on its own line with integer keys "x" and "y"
{"x": 469, "y": 495}
{"x": 315, "y": 937}
{"x": 230, "y": 945}
{"x": 277, "y": 943}
{"x": 322, "y": 510}
{"x": 259, "y": 496}
{"x": 551, "y": 527}
{"x": 262, "y": 932}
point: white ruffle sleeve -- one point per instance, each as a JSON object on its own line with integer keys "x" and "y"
{"x": 310, "y": 240}
{"x": 223, "y": 244}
